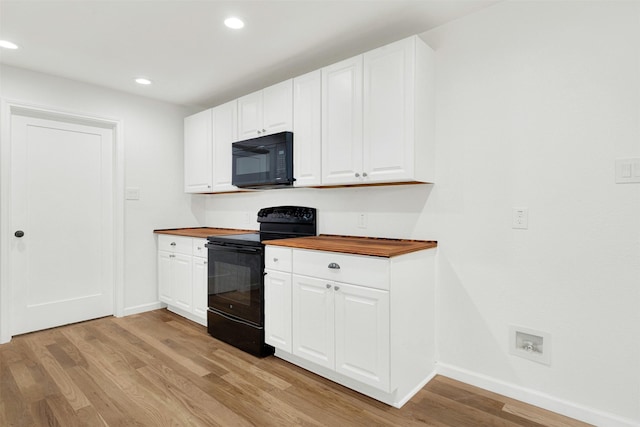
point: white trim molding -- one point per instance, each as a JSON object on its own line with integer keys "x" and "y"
{"x": 143, "y": 308}
{"x": 536, "y": 398}
{"x": 9, "y": 107}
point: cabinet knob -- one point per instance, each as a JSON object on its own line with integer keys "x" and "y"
{"x": 337, "y": 288}
{"x": 357, "y": 175}
{"x": 19, "y": 234}
{"x": 173, "y": 243}
{"x": 275, "y": 260}
{"x": 364, "y": 174}
{"x": 259, "y": 132}
{"x": 334, "y": 266}
{"x": 328, "y": 286}
{"x": 264, "y": 130}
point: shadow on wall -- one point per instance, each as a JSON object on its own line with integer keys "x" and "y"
{"x": 458, "y": 316}
{"x": 381, "y": 199}
{"x": 395, "y": 211}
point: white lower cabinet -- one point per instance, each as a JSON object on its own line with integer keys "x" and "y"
{"x": 313, "y": 320}
{"x": 342, "y": 327}
{"x": 365, "y": 322}
{"x": 200, "y": 294}
{"x": 181, "y": 284}
{"x": 277, "y": 296}
{"x": 182, "y": 276}
{"x": 362, "y": 334}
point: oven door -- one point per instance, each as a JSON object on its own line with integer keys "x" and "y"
{"x": 236, "y": 281}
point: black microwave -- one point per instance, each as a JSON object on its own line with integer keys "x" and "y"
{"x": 263, "y": 162}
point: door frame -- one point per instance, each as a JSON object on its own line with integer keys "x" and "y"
{"x": 9, "y": 108}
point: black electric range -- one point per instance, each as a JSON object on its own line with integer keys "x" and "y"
{"x": 236, "y": 276}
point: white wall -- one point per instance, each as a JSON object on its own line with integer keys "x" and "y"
{"x": 153, "y": 140}
{"x": 535, "y": 100}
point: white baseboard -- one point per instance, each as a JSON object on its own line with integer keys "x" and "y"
{"x": 536, "y": 398}
{"x": 415, "y": 391}
{"x": 142, "y": 308}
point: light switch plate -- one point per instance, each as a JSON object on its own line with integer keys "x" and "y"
{"x": 132, "y": 193}
{"x": 628, "y": 170}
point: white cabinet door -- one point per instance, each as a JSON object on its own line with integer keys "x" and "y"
{"x": 182, "y": 266}
{"x": 342, "y": 122}
{"x": 277, "y": 309}
{"x": 200, "y": 294}
{"x": 362, "y": 334}
{"x": 165, "y": 277}
{"x": 250, "y": 116}
{"x": 307, "y": 129}
{"x": 277, "y": 108}
{"x": 389, "y": 92}
{"x": 266, "y": 111}
{"x": 313, "y": 320}
{"x": 198, "y": 159}
{"x": 225, "y": 126}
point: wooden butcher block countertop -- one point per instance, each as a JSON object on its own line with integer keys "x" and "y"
{"x": 355, "y": 245}
{"x": 202, "y": 232}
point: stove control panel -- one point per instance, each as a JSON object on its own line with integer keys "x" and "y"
{"x": 295, "y": 214}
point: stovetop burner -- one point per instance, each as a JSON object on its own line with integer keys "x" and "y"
{"x": 281, "y": 222}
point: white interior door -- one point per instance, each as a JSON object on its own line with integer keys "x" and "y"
{"x": 62, "y": 268}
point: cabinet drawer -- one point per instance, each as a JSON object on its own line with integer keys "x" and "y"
{"x": 175, "y": 244}
{"x": 198, "y": 248}
{"x": 372, "y": 272}
{"x": 277, "y": 258}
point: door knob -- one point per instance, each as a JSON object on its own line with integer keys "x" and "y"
{"x": 19, "y": 233}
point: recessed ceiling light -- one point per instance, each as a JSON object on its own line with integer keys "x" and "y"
{"x": 143, "y": 81}
{"x": 8, "y": 45}
{"x": 233, "y": 22}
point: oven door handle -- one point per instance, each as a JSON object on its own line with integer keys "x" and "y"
{"x": 233, "y": 248}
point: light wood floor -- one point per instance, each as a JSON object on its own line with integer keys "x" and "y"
{"x": 158, "y": 369}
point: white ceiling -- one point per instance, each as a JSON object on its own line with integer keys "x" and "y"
{"x": 190, "y": 56}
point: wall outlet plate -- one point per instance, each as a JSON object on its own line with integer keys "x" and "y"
{"x": 362, "y": 220}
{"x": 530, "y": 344}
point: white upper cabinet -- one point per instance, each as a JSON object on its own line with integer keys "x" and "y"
{"x": 342, "y": 122}
{"x": 307, "y": 132}
{"x": 266, "y": 111}
{"x": 198, "y": 153}
{"x": 397, "y": 118}
{"x": 225, "y": 122}
{"x": 364, "y": 120}
{"x": 377, "y": 116}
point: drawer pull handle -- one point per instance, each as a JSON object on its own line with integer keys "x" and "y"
{"x": 334, "y": 266}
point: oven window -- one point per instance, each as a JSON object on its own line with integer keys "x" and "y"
{"x": 236, "y": 282}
